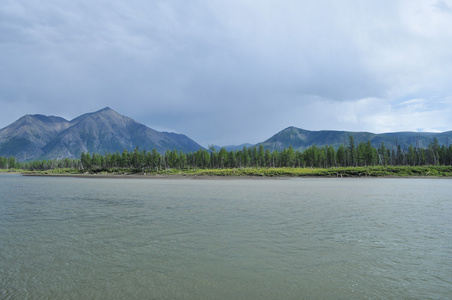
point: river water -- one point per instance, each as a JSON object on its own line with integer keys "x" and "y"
{"x": 363, "y": 238}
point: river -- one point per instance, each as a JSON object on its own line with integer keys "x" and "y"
{"x": 310, "y": 238}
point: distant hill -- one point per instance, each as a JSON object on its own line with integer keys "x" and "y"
{"x": 48, "y": 137}
{"x": 234, "y": 147}
{"x": 301, "y": 139}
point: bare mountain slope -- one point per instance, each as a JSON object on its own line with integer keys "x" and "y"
{"x": 26, "y": 137}
{"x": 41, "y": 137}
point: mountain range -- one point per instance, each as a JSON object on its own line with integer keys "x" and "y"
{"x": 36, "y": 137}
{"x": 301, "y": 139}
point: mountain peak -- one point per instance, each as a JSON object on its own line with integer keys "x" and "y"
{"x": 41, "y": 137}
{"x": 104, "y": 109}
{"x": 293, "y": 128}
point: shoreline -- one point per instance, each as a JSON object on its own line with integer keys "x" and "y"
{"x": 220, "y": 177}
{"x": 250, "y": 173}
{"x": 170, "y": 176}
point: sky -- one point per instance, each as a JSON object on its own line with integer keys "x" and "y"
{"x": 231, "y": 72}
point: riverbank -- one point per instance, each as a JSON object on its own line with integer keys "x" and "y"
{"x": 376, "y": 171}
{"x": 11, "y": 171}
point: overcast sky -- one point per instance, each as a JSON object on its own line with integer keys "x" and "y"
{"x": 231, "y": 72}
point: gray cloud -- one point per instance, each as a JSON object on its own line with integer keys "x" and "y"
{"x": 230, "y": 72}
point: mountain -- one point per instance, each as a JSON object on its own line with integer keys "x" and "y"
{"x": 35, "y": 137}
{"x": 48, "y": 137}
{"x": 26, "y": 137}
{"x": 301, "y": 139}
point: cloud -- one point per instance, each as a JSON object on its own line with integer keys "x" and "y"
{"x": 443, "y": 6}
{"x": 230, "y": 72}
{"x": 380, "y": 115}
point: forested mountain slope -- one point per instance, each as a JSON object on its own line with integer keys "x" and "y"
{"x": 301, "y": 139}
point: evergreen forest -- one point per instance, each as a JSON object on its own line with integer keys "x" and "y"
{"x": 350, "y": 155}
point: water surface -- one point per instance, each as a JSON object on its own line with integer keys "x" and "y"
{"x": 83, "y": 238}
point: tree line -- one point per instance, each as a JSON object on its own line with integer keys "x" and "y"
{"x": 38, "y": 165}
{"x": 346, "y": 155}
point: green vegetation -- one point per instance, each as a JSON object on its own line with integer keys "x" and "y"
{"x": 345, "y": 161}
{"x": 361, "y": 155}
{"x": 320, "y": 172}
{"x": 374, "y": 171}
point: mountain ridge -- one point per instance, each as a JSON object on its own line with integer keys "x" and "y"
{"x": 37, "y": 136}
{"x": 34, "y": 137}
{"x": 301, "y": 139}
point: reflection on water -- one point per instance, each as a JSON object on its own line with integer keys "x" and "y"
{"x": 76, "y": 238}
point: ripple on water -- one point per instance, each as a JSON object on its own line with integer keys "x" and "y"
{"x": 74, "y": 238}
